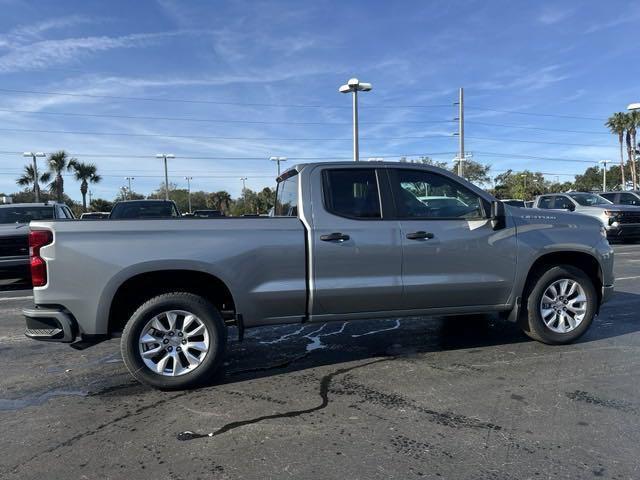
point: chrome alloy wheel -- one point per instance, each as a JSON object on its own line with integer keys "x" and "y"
{"x": 563, "y": 305}
{"x": 173, "y": 343}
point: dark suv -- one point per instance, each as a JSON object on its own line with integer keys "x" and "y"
{"x": 141, "y": 209}
{"x": 14, "y": 233}
{"x": 623, "y": 198}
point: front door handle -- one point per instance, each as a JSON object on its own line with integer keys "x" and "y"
{"x": 419, "y": 235}
{"x": 333, "y": 237}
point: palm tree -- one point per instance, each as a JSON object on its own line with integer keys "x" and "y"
{"x": 630, "y": 127}
{"x": 58, "y": 163}
{"x": 85, "y": 173}
{"x": 28, "y": 178}
{"x": 220, "y": 200}
{"x": 617, "y": 125}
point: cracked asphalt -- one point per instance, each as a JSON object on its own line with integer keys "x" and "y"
{"x": 412, "y": 398}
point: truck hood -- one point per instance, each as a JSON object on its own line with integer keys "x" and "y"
{"x": 553, "y": 217}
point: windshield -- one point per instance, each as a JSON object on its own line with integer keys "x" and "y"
{"x": 589, "y": 199}
{"x": 25, "y": 214}
{"x": 144, "y": 210}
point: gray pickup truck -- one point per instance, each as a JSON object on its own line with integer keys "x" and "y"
{"x": 346, "y": 241}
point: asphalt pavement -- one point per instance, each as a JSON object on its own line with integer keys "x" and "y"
{"x": 469, "y": 398}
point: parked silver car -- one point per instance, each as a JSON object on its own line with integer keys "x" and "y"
{"x": 347, "y": 241}
{"x": 621, "y": 221}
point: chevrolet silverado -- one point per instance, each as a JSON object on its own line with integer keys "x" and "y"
{"x": 346, "y": 241}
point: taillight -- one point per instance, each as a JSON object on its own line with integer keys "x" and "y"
{"x": 37, "y": 240}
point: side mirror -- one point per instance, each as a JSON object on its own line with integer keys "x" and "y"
{"x": 498, "y": 217}
{"x": 571, "y": 208}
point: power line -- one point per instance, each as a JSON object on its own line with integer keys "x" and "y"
{"x": 537, "y": 114}
{"x": 510, "y": 140}
{"x": 261, "y": 158}
{"x": 533, "y": 157}
{"x": 207, "y": 137}
{"x": 211, "y": 120}
{"x": 213, "y": 102}
{"x": 590, "y": 132}
{"x": 292, "y": 139}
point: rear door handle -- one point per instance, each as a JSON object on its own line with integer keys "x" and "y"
{"x": 419, "y": 235}
{"x": 333, "y": 237}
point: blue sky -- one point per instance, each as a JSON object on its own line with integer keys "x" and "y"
{"x": 224, "y": 85}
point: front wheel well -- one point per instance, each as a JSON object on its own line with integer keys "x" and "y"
{"x": 138, "y": 289}
{"x": 583, "y": 261}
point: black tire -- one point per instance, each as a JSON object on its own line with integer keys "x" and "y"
{"x": 531, "y": 320}
{"x": 206, "y": 313}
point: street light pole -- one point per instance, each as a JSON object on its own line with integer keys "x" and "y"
{"x": 188, "y": 179}
{"x": 129, "y": 180}
{"x": 278, "y": 160}
{"x": 166, "y": 174}
{"x": 36, "y": 179}
{"x": 354, "y": 86}
{"x": 460, "y": 130}
{"x": 604, "y": 174}
{"x": 244, "y": 185}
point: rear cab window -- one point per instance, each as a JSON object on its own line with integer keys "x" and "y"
{"x": 287, "y": 196}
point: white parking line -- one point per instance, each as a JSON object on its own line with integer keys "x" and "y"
{"x": 6, "y": 299}
{"x": 627, "y": 278}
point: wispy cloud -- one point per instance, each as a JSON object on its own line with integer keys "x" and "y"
{"x": 47, "y": 53}
{"x": 551, "y": 15}
{"x": 34, "y": 31}
{"x": 626, "y": 18}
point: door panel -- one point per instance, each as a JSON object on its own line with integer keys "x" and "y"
{"x": 361, "y": 273}
{"x": 465, "y": 263}
{"x": 460, "y": 260}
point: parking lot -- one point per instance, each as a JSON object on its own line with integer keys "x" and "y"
{"x": 415, "y": 398}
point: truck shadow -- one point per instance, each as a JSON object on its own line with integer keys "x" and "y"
{"x": 279, "y": 350}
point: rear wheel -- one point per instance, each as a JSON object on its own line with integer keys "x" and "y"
{"x": 174, "y": 341}
{"x": 560, "y": 306}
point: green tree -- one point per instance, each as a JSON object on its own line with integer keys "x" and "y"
{"x": 85, "y": 173}
{"x": 100, "y": 205}
{"x": 58, "y": 163}
{"x": 220, "y": 200}
{"x": 591, "y": 179}
{"x": 28, "y": 179}
{"x": 524, "y": 185}
{"x": 616, "y": 124}
{"x": 474, "y": 172}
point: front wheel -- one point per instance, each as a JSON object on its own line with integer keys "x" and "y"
{"x": 174, "y": 341}
{"x": 560, "y": 306}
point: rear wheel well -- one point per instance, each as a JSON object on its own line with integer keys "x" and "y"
{"x": 140, "y": 288}
{"x": 583, "y": 261}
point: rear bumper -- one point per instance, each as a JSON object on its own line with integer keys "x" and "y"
{"x": 50, "y": 325}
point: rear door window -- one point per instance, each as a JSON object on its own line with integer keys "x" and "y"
{"x": 352, "y": 193}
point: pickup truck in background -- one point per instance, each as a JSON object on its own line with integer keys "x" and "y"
{"x": 346, "y": 241}
{"x": 14, "y": 234}
{"x": 622, "y": 222}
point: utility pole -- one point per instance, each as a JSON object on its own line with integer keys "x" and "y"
{"x": 460, "y": 119}
{"x": 524, "y": 194}
{"x": 36, "y": 178}
{"x": 129, "y": 180}
{"x": 188, "y": 179}
{"x": 604, "y": 174}
{"x": 278, "y": 160}
{"x": 166, "y": 174}
{"x": 354, "y": 86}
{"x": 90, "y": 197}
